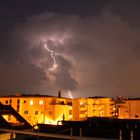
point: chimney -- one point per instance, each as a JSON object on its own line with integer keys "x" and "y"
{"x": 59, "y": 94}
{"x": 18, "y": 94}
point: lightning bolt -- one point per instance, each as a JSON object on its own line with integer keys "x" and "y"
{"x": 70, "y": 95}
{"x": 53, "y": 57}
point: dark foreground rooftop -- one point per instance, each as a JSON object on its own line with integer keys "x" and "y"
{"x": 98, "y": 127}
{"x": 7, "y": 110}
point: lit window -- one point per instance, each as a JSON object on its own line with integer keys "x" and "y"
{"x": 82, "y": 103}
{"x": 41, "y": 102}
{"x": 31, "y": 102}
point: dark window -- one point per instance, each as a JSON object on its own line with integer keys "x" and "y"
{"x": 36, "y": 112}
{"x": 70, "y": 112}
{"x": 18, "y": 107}
{"x": 82, "y": 112}
{"x": 26, "y": 112}
{"x": 10, "y": 101}
{"x": 18, "y": 101}
{"x": 70, "y": 103}
{"x": 9, "y": 117}
{"x": 50, "y": 113}
{"x": 6, "y": 102}
{"x": 82, "y": 106}
{"x": 24, "y": 101}
{"x": 61, "y": 103}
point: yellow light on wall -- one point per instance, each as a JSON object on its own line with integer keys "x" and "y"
{"x": 53, "y": 122}
{"x": 31, "y": 102}
{"x": 40, "y": 102}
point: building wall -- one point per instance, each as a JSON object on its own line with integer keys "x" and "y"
{"x": 79, "y": 109}
{"x": 40, "y": 109}
{"x": 135, "y": 109}
{"x": 50, "y": 110}
{"x": 129, "y": 109}
{"x": 101, "y": 107}
{"x": 75, "y": 111}
{"x": 89, "y": 107}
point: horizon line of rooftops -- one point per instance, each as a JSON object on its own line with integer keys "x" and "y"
{"x": 59, "y": 96}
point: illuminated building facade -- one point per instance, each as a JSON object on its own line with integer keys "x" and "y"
{"x": 51, "y": 110}
{"x": 89, "y": 107}
{"x": 40, "y": 109}
{"x": 129, "y": 109}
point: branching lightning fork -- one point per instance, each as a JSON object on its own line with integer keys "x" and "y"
{"x": 52, "y": 55}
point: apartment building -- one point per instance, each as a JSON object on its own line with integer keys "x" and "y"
{"x": 129, "y": 109}
{"x": 52, "y": 110}
{"x": 40, "y": 108}
{"x": 95, "y": 106}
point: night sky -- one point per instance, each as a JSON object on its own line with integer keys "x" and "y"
{"x": 95, "y": 43}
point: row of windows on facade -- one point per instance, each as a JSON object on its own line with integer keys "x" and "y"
{"x": 40, "y": 102}
{"x": 18, "y": 102}
{"x": 84, "y": 104}
{"x": 26, "y": 112}
{"x": 10, "y": 101}
{"x": 37, "y": 112}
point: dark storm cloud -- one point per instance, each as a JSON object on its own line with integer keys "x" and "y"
{"x": 63, "y": 75}
{"x": 20, "y": 77}
{"x": 129, "y": 11}
{"x": 26, "y": 50}
{"x": 96, "y": 55}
